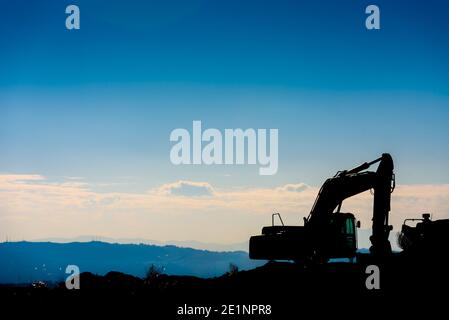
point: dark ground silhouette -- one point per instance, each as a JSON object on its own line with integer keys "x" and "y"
{"x": 407, "y": 286}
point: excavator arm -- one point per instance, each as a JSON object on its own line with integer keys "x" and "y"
{"x": 346, "y": 184}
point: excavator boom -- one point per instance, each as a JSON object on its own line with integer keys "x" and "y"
{"x": 349, "y": 183}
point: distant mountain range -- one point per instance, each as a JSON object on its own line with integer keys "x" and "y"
{"x": 25, "y": 262}
{"x": 241, "y": 246}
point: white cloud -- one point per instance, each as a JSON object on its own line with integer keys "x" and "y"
{"x": 187, "y": 188}
{"x": 293, "y": 187}
{"x": 18, "y": 178}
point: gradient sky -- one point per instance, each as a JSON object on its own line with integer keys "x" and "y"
{"x": 98, "y": 104}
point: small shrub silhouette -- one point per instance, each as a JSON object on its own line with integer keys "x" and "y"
{"x": 233, "y": 269}
{"x": 153, "y": 273}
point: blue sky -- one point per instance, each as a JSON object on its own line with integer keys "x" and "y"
{"x": 99, "y": 103}
{"x": 295, "y": 44}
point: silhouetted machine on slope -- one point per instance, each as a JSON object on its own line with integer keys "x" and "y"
{"x": 427, "y": 238}
{"x": 329, "y": 233}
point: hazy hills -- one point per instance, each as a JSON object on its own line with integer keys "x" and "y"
{"x": 241, "y": 246}
{"x": 23, "y": 262}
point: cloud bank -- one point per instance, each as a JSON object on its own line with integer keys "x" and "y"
{"x": 31, "y": 207}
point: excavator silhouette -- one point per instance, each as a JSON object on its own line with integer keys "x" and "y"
{"x": 426, "y": 239}
{"x": 328, "y": 233}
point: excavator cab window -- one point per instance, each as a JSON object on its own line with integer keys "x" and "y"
{"x": 346, "y": 225}
{"x": 349, "y": 226}
{"x": 351, "y": 240}
{"x": 343, "y": 243}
